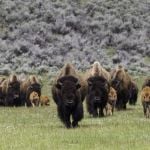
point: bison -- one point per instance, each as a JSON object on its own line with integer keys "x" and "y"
{"x": 10, "y": 90}
{"x": 34, "y": 99}
{"x": 145, "y": 98}
{"x": 68, "y": 93}
{"x": 112, "y": 98}
{"x": 97, "y": 95}
{"x": 121, "y": 83}
{"x": 44, "y": 100}
{"x": 27, "y": 87}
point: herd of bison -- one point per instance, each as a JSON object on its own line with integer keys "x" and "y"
{"x": 104, "y": 91}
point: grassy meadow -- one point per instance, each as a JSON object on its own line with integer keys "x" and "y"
{"x": 40, "y": 129}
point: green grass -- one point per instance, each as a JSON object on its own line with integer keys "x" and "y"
{"x": 40, "y": 129}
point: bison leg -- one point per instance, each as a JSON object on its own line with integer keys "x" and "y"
{"x": 113, "y": 106}
{"x": 64, "y": 116}
{"x": 144, "y": 108}
{"x": 95, "y": 112}
{"x": 33, "y": 105}
{"x": 101, "y": 112}
{"x": 77, "y": 115}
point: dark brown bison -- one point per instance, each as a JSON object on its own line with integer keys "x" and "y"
{"x": 10, "y": 90}
{"x": 27, "y": 87}
{"x": 145, "y": 98}
{"x": 146, "y": 82}
{"x": 121, "y": 83}
{"x": 97, "y": 95}
{"x": 68, "y": 93}
{"x": 133, "y": 93}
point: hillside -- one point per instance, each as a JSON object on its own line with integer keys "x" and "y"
{"x": 42, "y": 35}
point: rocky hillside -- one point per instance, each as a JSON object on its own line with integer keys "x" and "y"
{"x": 42, "y": 35}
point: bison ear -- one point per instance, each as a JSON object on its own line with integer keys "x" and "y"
{"x": 89, "y": 82}
{"x": 78, "y": 86}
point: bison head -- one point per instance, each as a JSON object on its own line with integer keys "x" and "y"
{"x": 98, "y": 89}
{"x": 116, "y": 84}
{"x": 35, "y": 87}
{"x": 118, "y": 79}
{"x": 145, "y": 94}
{"x": 69, "y": 89}
{"x": 13, "y": 90}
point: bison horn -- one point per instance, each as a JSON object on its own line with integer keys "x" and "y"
{"x": 59, "y": 85}
{"x": 78, "y": 85}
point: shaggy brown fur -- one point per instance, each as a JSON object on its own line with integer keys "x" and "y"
{"x": 27, "y": 87}
{"x": 34, "y": 99}
{"x": 112, "y": 98}
{"x": 44, "y": 100}
{"x": 121, "y": 83}
{"x": 146, "y": 82}
{"x": 98, "y": 70}
{"x": 145, "y": 98}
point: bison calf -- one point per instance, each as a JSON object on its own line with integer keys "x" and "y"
{"x": 145, "y": 98}
{"x": 112, "y": 98}
{"x": 44, "y": 100}
{"x": 34, "y": 99}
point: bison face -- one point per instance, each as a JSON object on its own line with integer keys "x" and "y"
{"x": 98, "y": 89}
{"x": 13, "y": 90}
{"x": 112, "y": 96}
{"x": 68, "y": 87}
{"x": 116, "y": 84}
{"x": 34, "y": 88}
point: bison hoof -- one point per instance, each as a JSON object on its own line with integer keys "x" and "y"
{"x": 95, "y": 115}
{"x": 75, "y": 124}
{"x": 68, "y": 125}
{"x": 101, "y": 115}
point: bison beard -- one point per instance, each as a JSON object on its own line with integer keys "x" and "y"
{"x": 97, "y": 95}
{"x": 67, "y": 96}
